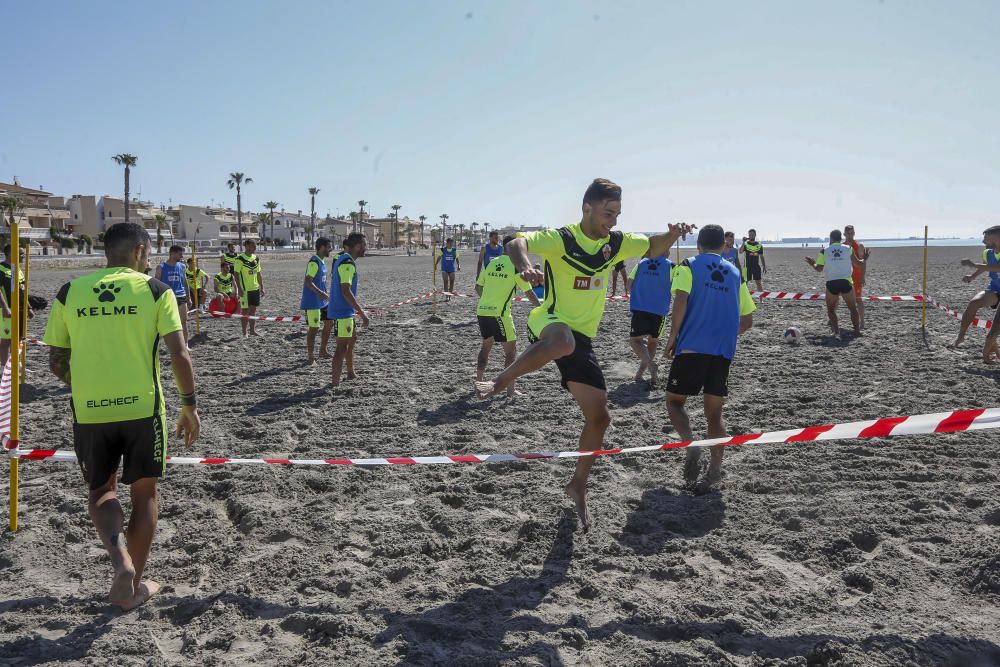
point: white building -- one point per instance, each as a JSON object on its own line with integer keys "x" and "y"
{"x": 214, "y": 226}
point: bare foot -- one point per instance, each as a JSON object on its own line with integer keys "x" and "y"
{"x": 121, "y": 585}
{"x": 639, "y": 373}
{"x": 352, "y": 376}
{"x": 691, "y": 467}
{"x": 581, "y": 506}
{"x": 254, "y": 333}
{"x": 485, "y": 389}
{"x": 144, "y": 591}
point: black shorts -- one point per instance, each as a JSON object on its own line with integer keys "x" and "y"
{"x": 139, "y": 444}
{"x": 841, "y": 286}
{"x": 495, "y": 328}
{"x": 646, "y": 324}
{"x": 754, "y": 272}
{"x": 620, "y": 266}
{"x": 252, "y": 298}
{"x": 580, "y": 366}
{"x": 692, "y": 371}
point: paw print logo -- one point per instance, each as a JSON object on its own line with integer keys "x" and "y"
{"x": 719, "y": 271}
{"x": 106, "y": 292}
{"x": 836, "y": 252}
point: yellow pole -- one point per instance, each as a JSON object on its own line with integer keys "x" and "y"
{"x": 923, "y": 302}
{"x": 434, "y": 279}
{"x": 197, "y": 283}
{"x": 15, "y": 361}
{"x": 24, "y": 330}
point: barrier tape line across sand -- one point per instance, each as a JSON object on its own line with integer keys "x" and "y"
{"x": 938, "y": 422}
{"x": 977, "y": 322}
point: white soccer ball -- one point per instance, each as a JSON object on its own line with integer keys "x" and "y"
{"x": 793, "y": 335}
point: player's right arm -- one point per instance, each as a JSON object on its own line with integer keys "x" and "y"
{"x": 4, "y": 304}
{"x": 168, "y": 326}
{"x": 479, "y": 262}
{"x": 518, "y": 251}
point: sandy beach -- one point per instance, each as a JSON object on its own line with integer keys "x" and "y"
{"x": 875, "y": 552}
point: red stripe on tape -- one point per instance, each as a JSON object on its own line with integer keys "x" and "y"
{"x": 402, "y": 460}
{"x": 339, "y": 462}
{"x": 602, "y": 452}
{"x": 463, "y": 458}
{"x": 881, "y": 428}
{"x": 810, "y": 433}
{"x": 214, "y": 461}
{"x": 957, "y": 421}
{"x": 743, "y": 439}
{"x": 36, "y": 454}
{"x": 675, "y": 445}
{"x": 284, "y": 462}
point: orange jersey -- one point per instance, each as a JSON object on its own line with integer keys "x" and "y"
{"x": 856, "y": 270}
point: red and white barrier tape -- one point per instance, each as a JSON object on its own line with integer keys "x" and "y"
{"x": 939, "y": 422}
{"x": 808, "y": 296}
{"x": 977, "y": 322}
{"x": 5, "y": 401}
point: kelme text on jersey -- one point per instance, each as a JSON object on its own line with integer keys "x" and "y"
{"x": 105, "y": 311}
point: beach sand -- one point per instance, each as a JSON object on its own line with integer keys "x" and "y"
{"x": 876, "y": 552}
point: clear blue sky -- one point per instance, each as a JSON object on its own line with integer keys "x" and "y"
{"x": 791, "y": 117}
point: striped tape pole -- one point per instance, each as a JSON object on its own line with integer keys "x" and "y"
{"x": 976, "y": 322}
{"x": 938, "y": 422}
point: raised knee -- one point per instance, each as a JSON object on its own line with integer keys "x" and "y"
{"x": 600, "y": 420}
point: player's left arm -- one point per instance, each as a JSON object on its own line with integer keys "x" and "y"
{"x": 59, "y": 362}
{"x": 260, "y": 281}
{"x": 747, "y": 307}
{"x": 763, "y": 264}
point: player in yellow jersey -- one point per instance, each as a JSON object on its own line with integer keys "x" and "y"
{"x": 495, "y": 286}
{"x": 578, "y": 259}
{"x": 250, "y": 283}
{"x": 103, "y": 333}
{"x": 6, "y": 323}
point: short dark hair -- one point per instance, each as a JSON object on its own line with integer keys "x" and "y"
{"x": 754, "y": 231}
{"x": 123, "y": 237}
{"x": 173, "y": 248}
{"x": 507, "y": 239}
{"x": 322, "y": 241}
{"x": 230, "y": 244}
{"x": 353, "y": 239}
{"x": 449, "y": 240}
{"x": 711, "y": 237}
{"x": 995, "y": 229}
{"x": 6, "y": 250}
{"x": 495, "y": 233}
{"x": 602, "y": 190}
{"x": 731, "y": 234}
{"x": 247, "y": 242}
{"x": 836, "y": 236}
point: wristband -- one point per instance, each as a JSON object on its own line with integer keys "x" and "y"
{"x": 189, "y": 400}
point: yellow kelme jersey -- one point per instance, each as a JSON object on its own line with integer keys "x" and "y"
{"x": 499, "y": 280}
{"x": 576, "y": 271}
{"x": 247, "y": 267}
{"x": 113, "y": 320}
{"x": 224, "y": 283}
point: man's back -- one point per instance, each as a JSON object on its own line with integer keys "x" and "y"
{"x": 113, "y": 320}
{"x": 499, "y": 280}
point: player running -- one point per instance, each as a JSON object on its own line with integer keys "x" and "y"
{"x": 990, "y": 297}
{"x": 315, "y": 300}
{"x": 837, "y": 261}
{"x": 103, "y": 333}
{"x": 619, "y": 269}
{"x": 753, "y": 253}
{"x": 858, "y": 274}
{"x": 489, "y": 252}
{"x": 649, "y": 305}
{"x": 448, "y": 258}
{"x": 344, "y": 304}
{"x": 250, "y": 283}
{"x": 712, "y": 307}
{"x": 577, "y": 260}
{"x": 495, "y": 286}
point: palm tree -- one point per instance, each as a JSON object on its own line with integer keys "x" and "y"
{"x": 444, "y": 227}
{"x": 271, "y": 205}
{"x": 486, "y": 231}
{"x": 473, "y": 226}
{"x": 461, "y": 231}
{"x": 161, "y": 222}
{"x": 312, "y": 214}
{"x": 128, "y": 161}
{"x": 422, "y": 219}
{"x": 261, "y": 220}
{"x": 409, "y": 236}
{"x": 237, "y": 179}
{"x": 361, "y": 212}
{"x": 11, "y": 206}
{"x": 395, "y": 223}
